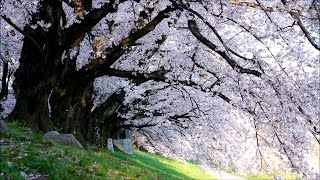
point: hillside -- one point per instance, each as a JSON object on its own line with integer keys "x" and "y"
{"x": 26, "y": 155}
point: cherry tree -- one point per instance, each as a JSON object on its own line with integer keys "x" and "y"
{"x": 274, "y": 83}
{"x": 58, "y": 38}
{"x": 229, "y": 81}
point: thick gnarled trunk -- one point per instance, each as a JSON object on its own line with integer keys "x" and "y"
{"x": 71, "y": 103}
{"x": 72, "y": 111}
{"x": 37, "y": 73}
{"x": 34, "y": 80}
{"x": 4, "y": 80}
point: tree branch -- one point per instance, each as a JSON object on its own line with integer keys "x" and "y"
{"x": 115, "y": 52}
{"x": 138, "y": 126}
{"x": 158, "y": 76}
{"x": 22, "y": 32}
{"x": 305, "y": 31}
{"x": 89, "y": 21}
{"x": 134, "y": 36}
{"x": 195, "y": 31}
{"x": 137, "y": 78}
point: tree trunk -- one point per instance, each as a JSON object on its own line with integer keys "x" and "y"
{"x": 34, "y": 80}
{"x": 72, "y": 110}
{"x": 71, "y": 103}
{"x": 42, "y": 75}
{"x": 36, "y": 76}
{"x": 4, "y": 80}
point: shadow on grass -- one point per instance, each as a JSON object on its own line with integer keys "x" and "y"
{"x": 150, "y": 162}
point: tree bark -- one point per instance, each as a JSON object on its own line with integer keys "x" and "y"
{"x": 36, "y": 76}
{"x": 34, "y": 80}
{"x": 72, "y": 110}
{"x": 4, "y": 80}
{"x": 71, "y": 104}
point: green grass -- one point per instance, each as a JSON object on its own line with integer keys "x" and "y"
{"x": 25, "y": 151}
{"x": 165, "y": 167}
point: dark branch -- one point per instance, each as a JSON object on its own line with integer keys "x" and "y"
{"x": 134, "y": 36}
{"x": 137, "y": 78}
{"x": 138, "y": 126}
{"x": 195, "y": 31}
{"x": 305, "y": 31}
{"x": 22, "y": 32}
{"x": 158, "y": 76}
{"x": 90, "y": 20}
{"x": 115, "y": 52}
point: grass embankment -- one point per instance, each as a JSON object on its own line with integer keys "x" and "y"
{"x": 25, "y": 152}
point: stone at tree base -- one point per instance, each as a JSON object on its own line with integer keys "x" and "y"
{"x": 50, "y": 134}
{"x": 124, "y": 145}
{"x": 110, "y": 145}
{"x": 3, "y": 126}
{"x": 65, "y": 139}
{"x": 69, "y": 139}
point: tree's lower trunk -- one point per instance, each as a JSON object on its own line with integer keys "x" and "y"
{"x": 72, "y": 111}
{"x": 4, "y": 80}
{"x": 71, "y": 104}
{"x": 32, "y": 88}
{"x": 32, "y": 110}
{"x": 34, "y": 80}
{"x": 38, "y": 79}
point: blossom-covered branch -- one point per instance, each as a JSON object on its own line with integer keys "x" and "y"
{"x": 116, "y": 51}
{"x": 77, "y": 30}
{"x": 195, "y": 31}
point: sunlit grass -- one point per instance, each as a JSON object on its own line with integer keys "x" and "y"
{"x": 164, "y": 166}
{"x": 25, "y": 151}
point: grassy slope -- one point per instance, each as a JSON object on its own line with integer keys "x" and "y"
{"x": 24, "y": 151}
